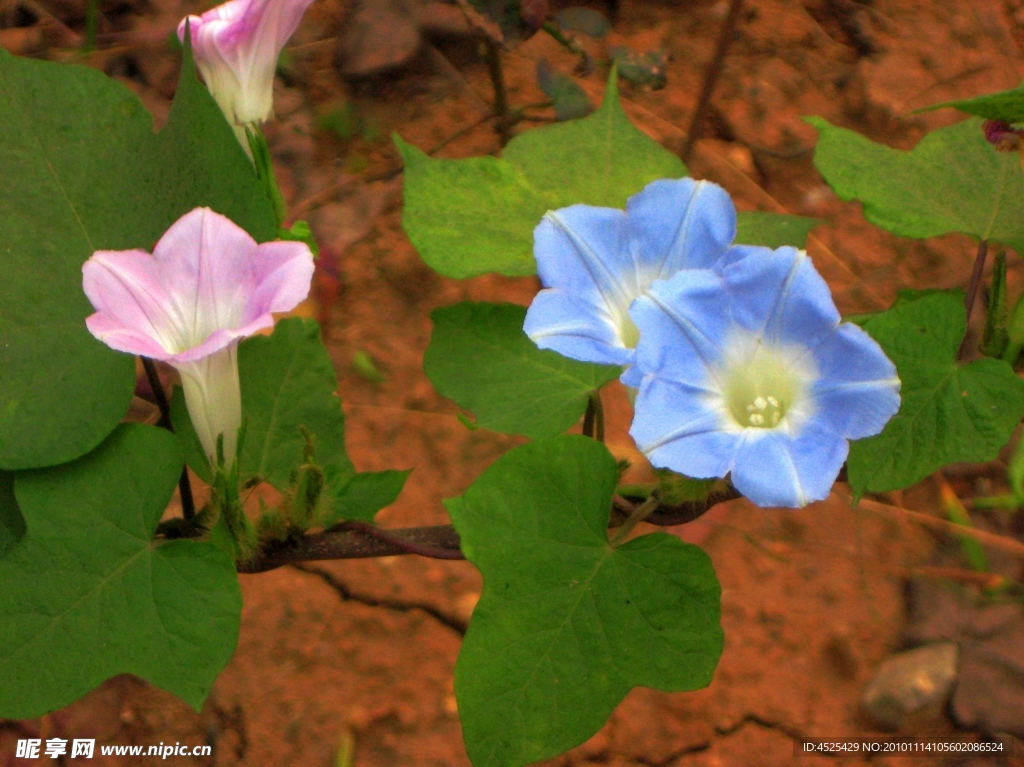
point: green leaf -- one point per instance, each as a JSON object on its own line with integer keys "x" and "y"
{"x": 773, "y": 230}
{"x": 288, "y": 382}
{"x": 362, "y": 496}
{"x": 89, "y": 594}
{"x": 949, "y": 412}
{"x": 952, "y": 181}
{"x": 567, "y": 624}
{"x": 12, "y": 523}
{"x": 83, "y": 171}
{"x": 1004, "y": 105}
{"x": 480, "y": 357}
{"x": 477, "y": 215}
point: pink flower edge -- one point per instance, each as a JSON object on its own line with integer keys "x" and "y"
{"x": 207, "y": 284}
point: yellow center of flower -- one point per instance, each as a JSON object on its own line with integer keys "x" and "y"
{"x": 629, "y": 332}
{"x": 761, "y": 387}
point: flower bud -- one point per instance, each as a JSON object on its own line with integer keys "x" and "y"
{"x": 236, "y": 47}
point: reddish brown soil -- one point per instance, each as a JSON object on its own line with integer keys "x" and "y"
{"x": 812, "y": 599}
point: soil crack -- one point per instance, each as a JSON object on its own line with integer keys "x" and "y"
{"x": 724, "y": 732}
{"x": 398, "y": 605}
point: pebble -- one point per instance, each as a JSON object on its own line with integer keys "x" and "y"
{"x": 910, "y": 681}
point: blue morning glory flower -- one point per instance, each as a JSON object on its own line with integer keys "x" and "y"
{"x": 749, "y": 370}
{"x": 593, "y": 263}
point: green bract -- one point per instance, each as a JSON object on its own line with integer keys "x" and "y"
{"x": 480, "y": 357}
{"x": 83, "y": 171}
{"x": 567, "y": 624}
{"x": 952, "y": 181}
{"x": 950, "y": 412}
{"x": 89, "y": 594}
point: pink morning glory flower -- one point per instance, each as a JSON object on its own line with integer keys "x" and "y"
{"x": 236, "y": 47}
{"x": 206, "y": 286}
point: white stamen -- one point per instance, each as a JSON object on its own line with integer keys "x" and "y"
{"x": 762, "y": 384}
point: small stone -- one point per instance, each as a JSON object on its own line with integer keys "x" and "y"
{"x": 381, "y": 35}
{"x": 910, "y": 681}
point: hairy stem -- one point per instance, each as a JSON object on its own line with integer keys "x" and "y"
{"x": 349, "y": 544}
{"x": 408, "y": 546}
{"x": 711, "y": 75}
{"x": 360, "y": 540}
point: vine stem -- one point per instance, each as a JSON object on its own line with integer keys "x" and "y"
{"x": 711, "y": 75}
{"x": 639, "y": 514}
{"x": 972, "y": 290}
{"x": 593, "y": 419}
{"x": 493, "y": 57}
{"x": 360, "y": 540}
{"x": 354, "y": 544}
{"x": 188, "y": 505}
{"x": 408, "y": 546}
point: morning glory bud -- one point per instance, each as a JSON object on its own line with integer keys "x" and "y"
{"x": 594, "y": 262}
{"x": 748, "y": 370}
{"x": 1003, "y": 136}
{"x": 236, "y": 47}
{"x": 206, "y": 286}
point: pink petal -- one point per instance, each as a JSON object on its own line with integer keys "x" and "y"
{"x": 123, "y": 339}
{"x": 237, "y": 45}
{"x": 205, "y": 262}
{"x": 206, "y": 285}
{"x": 126, "y": 289}
{"x": 283, "y": 273}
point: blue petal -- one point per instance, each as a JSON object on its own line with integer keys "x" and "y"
{"x": 774, "y": 469}
{"x": 858, "y": 388}
{"x": 682, "y": 323}
{"x": 676, "y": 428}
{"x": 582, "y": 250}
{"x": 560, "y": 321}
{"x": 738, "y": 253}
{"x": 632, "y": 377}
{"x": 679, "y": 224}
{"x": 779, "y": 296}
